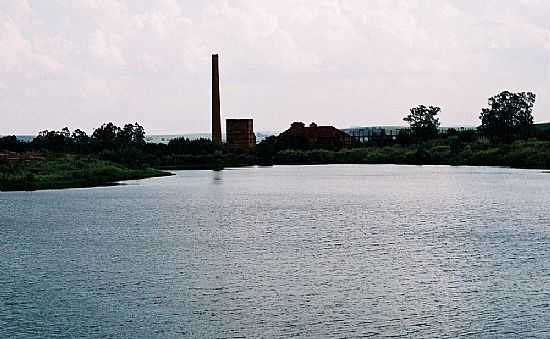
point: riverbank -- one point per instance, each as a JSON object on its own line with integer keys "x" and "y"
{"x": 533, "y": 154}
{"x": 529, "y": 154}
{"x": 29, "y": 172}
{"x": 212, "y": 161}
{"x": 37, "y": 171}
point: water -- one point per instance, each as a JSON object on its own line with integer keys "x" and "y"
{"x": 318, "y": 251}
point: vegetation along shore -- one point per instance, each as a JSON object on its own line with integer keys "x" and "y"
{"x": 507, "y": 136}
{"x": 50, "y": 171}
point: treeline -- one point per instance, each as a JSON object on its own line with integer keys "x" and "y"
{"x": 107, "y": 136}
{"x": 506, "y": 136}
{"x": 507, "y": 120}
{"x": 126, "y": 145}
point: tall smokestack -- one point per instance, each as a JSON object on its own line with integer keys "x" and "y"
{"x": 216, "y": 119}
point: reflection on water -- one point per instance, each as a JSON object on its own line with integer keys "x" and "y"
{"x": 217, "y": 176}
{"x": 318, "y": 251}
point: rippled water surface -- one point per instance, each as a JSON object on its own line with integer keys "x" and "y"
{"x": 307, "y": 251}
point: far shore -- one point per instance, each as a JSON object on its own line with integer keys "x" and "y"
{"x": 29, "y": 171}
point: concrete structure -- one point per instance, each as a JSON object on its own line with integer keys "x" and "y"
{"x": 240, "y": 135}
{"x": 216, "y": 119}
{"x": 298, "y": 135}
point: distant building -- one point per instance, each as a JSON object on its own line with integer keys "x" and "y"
{"x": 298, "y": 135}
{"x": 375, "y": 133}
{"x": 389, "y": 133}
{"x": 240, "y": 135}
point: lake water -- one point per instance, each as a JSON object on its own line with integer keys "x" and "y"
{"x": 305, "y": 251}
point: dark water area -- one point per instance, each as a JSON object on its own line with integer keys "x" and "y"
{"x": 305, "y": 251}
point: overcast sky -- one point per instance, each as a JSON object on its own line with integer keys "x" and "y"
{"x": 345, "y": 63}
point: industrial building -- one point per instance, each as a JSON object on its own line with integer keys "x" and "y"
{"x": 298, "y": 135}
{"x": 240, "y": 135}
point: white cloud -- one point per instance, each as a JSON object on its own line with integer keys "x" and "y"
{"x": 14, "y": 46}
{"x": 343, "y": 62}
{"x": 106, "y": 49}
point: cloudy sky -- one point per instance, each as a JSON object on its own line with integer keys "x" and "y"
{"x": 346, "y": 63}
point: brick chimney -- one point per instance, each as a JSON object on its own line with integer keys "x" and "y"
{"x": 216, "y": 119}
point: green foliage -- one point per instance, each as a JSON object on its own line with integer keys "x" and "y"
{"x": 107, "y": 137}
{"x": 316, "y": 156}
{"x": 124, "y": 147}
{"x": 217, "y": 160}
{"x": 509, "y": 115}
{"x": 110, "y": 136}
{"x": 186, "y": 146}
{"x": 53, "y": 140}
{"x": 63, "y": 159}
{"x": 540, "y": 131}
{"x": 423, "y": 121}
{"x": 453, "y": 151}
{"x": 131, "y": 135}
{"x": 267, "y": 149}
{"x": 10, "y": 143}
{"x": 65, "y": 172}
{"x": 455, "y": 144}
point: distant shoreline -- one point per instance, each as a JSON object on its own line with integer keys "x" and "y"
{"x": 30, "y": 171}
{"x": 117, "y": 180}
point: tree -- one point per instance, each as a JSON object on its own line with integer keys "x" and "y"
{"x": 106, "y": 135}
{"x": 131, "y": 135}
{"x": 80, "y": 141}
{"x": 80, "y": 137}
{"x": 138, "y": 136}
{"x": 10, "y": 143}
{"x": 182, "y": 145}
{"x": 53, "y": 140}
{"x": 423, "y": 121}
{"x": 65, "y": 132}
{"x": 509, "y": 115}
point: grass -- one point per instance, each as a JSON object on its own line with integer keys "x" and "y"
{"x": 66, "y": 171}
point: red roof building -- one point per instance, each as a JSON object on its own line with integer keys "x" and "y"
{"x": 316, "y": 136}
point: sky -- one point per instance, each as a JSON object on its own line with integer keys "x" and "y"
{"x": 344, "y": 63}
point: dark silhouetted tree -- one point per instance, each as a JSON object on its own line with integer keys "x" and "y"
{"x": 106, "y": 135}
{"x": 10, "y": 143}
{"x": 65, "y": 132}
{"x": 80, "y": 137}
{"x": 423, "y": 121}
{"x": 138, "y": 136}
{"x": 53, "y": 140}
{"x": 509, "y": 115}
{"x": 80, "y": 141}
{"x": 184, "y": 145}
{"x": 131, "y": 135}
